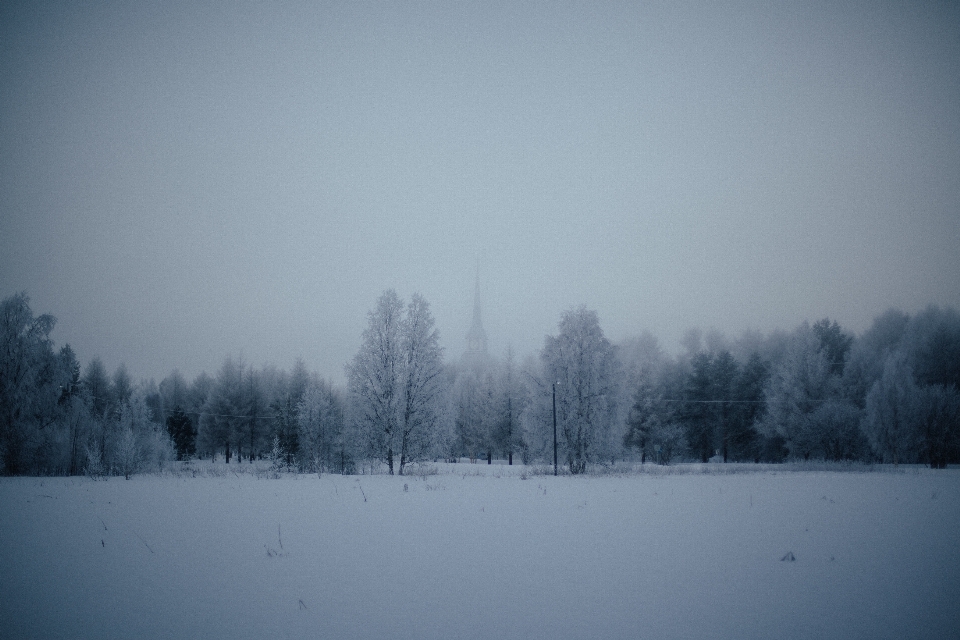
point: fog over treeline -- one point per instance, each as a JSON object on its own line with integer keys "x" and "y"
{"x": 890, "y": 394}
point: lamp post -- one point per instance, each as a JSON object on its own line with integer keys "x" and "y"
{"x": 554, "y": 428}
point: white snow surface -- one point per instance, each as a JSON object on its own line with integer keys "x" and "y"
{"x": 478, "y": 551}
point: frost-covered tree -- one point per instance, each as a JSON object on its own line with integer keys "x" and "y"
{"x": 323, "y": 444}
{"x": 584, "y": 365}
{"x": 726, "y": 373}
{"x": 422, "y": 379}
{"x": 252, "y": 429}
{"x": 121, "y": 389}
{"x": 126, "y": 455}
{"x": 488, "y": 399}
{"x": 98, "y": 391}
{"x": 141, "y": 443}
{"x": 931, "y": 344}
{"x": 834, "y": 343}
{"x": 937, "y": 421}
{"x": 511, "y": 400}
{"x": 711, "y": 407}
{"x": 799, "y": 384}
{"x": 375, "y": 378}
{"x": 869, "y": 352}
{"x": 198, "y": 394}
{"x": 474, "y": 400}
{"x": 32, "y": 379}
{"x": 835, "y": 425}
{"x": 223, "y": 417}
{"x": 642, "y": 362}
{"x": 182, "y": 432}
{"x": 697, "y": 412}
{"x": 645, "y": 418}
{"x": 396, "y": 381}
{"x": 744, "y": 441}
{"x": 97, "y": 385}
{"x": 287, "y": 392}
{"x": 888, "y": 422}
{"x": 173, "y": 392}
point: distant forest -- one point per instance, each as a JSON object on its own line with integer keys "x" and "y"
{"x": 890, "y": 395}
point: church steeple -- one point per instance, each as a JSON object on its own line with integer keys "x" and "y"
{"x": 476, "y": 336}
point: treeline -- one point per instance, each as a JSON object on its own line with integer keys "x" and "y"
{"x": 890, "y": 395}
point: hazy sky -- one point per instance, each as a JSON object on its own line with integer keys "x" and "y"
{"x": 180, "y": 181}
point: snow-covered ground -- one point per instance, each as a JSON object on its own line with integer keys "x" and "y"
{"x": 480, "y": 551}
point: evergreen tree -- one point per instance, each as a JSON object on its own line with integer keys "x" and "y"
{"x": 322, "y": 437}
{"x": 725, "y": 372}
{"x": 744, "y": 440}
{"x": 183, "y": 433}
{"x": 697, "y": 413}
{"x": 645, "y": 418}
{"x": 937, "y": 420}
{"x": 834, "y": 343}
{"x": 223, "y": 413}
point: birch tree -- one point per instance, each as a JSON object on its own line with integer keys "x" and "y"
{"x": 797, "y": 387}
{"x": 31, "y": 381}
{"x": 374, "y": 377}
{"x": 583, "y": 363}
{"x": 421, "y": 377}
{"x": 396, "y": 381}
{"x": 888, "y": 423}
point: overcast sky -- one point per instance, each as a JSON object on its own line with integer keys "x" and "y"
{"x": 180, "y": 181}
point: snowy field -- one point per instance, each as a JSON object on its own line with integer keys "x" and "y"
{"x": 478, "y": 551}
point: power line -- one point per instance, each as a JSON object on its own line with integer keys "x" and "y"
{"x": 202, "y": 413}
{"x": 717, "y": 401}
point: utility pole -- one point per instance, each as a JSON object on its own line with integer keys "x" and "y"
{"x": 554, "y": 428}
{"x": 509, "y": 431}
